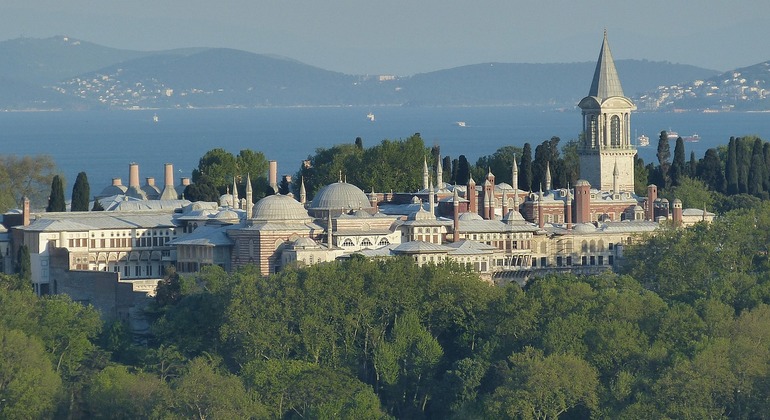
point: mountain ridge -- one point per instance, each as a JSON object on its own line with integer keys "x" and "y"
{"x": 65, "y": 73}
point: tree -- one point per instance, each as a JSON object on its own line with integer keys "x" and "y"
{"x": 116, "y": 393}
{"x": 202, "y": 190}
{"x": 663, "y": 154}
{"x": 540, "y": 386}
{"x": 757, "y": 169}
{"x": 81, "y": 193}
{"x": 27, "y": 176}
{"x": 525, "y": 168}
{"x": 446, "y": 165}
{"x": 731, "y": 168}
{"x": 56, "y": 199}
{"x": 641, "y": 176}
{"x": 23, "y": 266}
{"x": 28, "y": 384}
{"x": 710, "y": 171}
{"x": 359, "y": 143}
{"x": 97, "y": 206}
{"x": 678, "y": 166}
{"x": 692, "y": 166}
{"x": 463, "y": 171}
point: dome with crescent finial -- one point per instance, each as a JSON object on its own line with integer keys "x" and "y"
{"x": 279, "y": 208}
{"x": 339, "y": 196}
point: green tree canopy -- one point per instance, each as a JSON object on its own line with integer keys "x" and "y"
{"x": 81, "y": 193}
{"x": 56, "y": 201}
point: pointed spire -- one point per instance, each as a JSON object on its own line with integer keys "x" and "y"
{"x": 302, "y": 191}
{"x": 236, "y": 199}
{"x": 606, "y": 82}
{"x": 425, "y": 173}
{"x": 515, "y": 184}
{"x": 432, "y": 201}
{"x": 439, "y": 173}
{"x": 548, "y": 176}
{"x": 249, "y": 197}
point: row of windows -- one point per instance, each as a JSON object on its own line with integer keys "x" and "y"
{"x": 143, "y": 242}
{"x": 164, "y": 232}
{"x": 365, "y": 242}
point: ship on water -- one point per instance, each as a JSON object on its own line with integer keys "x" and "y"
{"x": 642, "y": 141}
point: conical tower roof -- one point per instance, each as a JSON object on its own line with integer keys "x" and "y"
{"x": 606, "y": 82}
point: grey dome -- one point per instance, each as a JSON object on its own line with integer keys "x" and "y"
{"x": 340, "y": 195}
{"x": 585, "y": 228}
{"x": 470, "y": 216}
{"x": 279, "y": 208}
{"x": 226, "y": 215}
{"x": 305, "y": 243}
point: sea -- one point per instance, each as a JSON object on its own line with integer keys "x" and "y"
{"x": 103, "y": 143}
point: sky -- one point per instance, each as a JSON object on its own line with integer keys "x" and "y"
{"x": 406, "y": 37}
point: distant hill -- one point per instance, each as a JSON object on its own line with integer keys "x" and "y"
{"x": 743, "y": 89}
{"x": 63, "y": 73}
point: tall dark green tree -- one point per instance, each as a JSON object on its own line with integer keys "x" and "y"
{"x": 766, "y": 154}
{"x": 731, "y": 168}
{"x": 455, "y": 165}
{"x": 663, "y": 154}
{"x": 757, "y": 169}
{"x": 692, "y": 165}
{"x": 710, "y": 171}
{"x": 23, "y": 264}
{"x": 641, "y": 176}
{"x": 743, "y": 153}
{"x": 56, "y": 199}
{"x": 463, "y": 171}
{"x": 525, "y": 168}
{"x": 678, "y": 166}
{"x": 446, "y": 165}
{"x": 81, "y": 193}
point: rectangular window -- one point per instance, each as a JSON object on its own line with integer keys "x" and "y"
{"x": 611, "y": 260}
{"x": 593, "y": 260}
{"x": 543, "y": 261}
{"x": 569, "y": 260}
{"x": 601, "y": 259}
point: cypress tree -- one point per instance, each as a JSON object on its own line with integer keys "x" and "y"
{"x": 677, "y": 169}
{"x": 455, "y": 164}
{"x": 97, "y": 206}
{"x": 663, "y": 154}
{"x": 710, "y": 171}
{"x": 692, "y": 166}
{"x": 446, "y": 165}
{"x": 56, "y": 200}
{"x": 81, "y": 192}
{"x": 525, "y": 168}
{"x": 766, "y": 153}
{"x": 23, "y": 264}
{"x": 463, "y": 171}
{"x": 756, "y": 169}
{"x": 731, "y": 168}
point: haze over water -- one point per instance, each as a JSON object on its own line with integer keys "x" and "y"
{"x": 103, "y": 143}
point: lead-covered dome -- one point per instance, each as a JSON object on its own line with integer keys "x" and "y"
{"x": 340, "y": 196}
{"x": 279, "y": 208}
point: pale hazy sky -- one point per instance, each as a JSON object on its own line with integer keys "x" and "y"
{"x": 405, "y": 37}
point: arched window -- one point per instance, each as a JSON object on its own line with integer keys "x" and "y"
{"x": 615, "y": 131}
{"x": 347, "y": 242}
{"x": 366, "y": 242}
{"x": 384, "y": 241}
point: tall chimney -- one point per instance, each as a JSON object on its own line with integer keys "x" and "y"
{"x": 133, "y": 175}
{"x": 25, "y": 211}
{"x": 652, "y": 195}
{"x": 569, "y": 210}
{"x": 273, "y": 175}
{"x": 677, "y": 213}
{"x": 456, "y": 227}
{"x": 169, "y": 192}
{"x": 582, "y": 201}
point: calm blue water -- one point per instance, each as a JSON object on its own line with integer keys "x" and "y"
{"x": 103, "y": 143}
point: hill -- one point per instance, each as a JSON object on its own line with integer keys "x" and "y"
{"x": 63, "y": 73}
{"x": 743, "y": 89}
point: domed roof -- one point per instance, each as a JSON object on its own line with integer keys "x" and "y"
{"x": 513, "y": 216}
{"x": 340, "y": 195}
{"x": 305, "y": 243}
{"x": 279, "y": 208}
{"x": 421, "y": 214}
{"x": 226, "y": 215}
{"x": 585, "y": 228}
{"x": 582, "y": 183}
{"x": 470, "y": 216}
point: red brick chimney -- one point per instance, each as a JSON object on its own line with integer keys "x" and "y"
{"x": 652, "y": 195}
{"x": 582, "y": 201}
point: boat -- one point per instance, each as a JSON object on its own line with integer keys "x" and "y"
{"x": 642, "y": 141}
{"x": 370, "y": 117}
{"x": 692, "y": 139}
{"x": 672, "y": 135}
{"x": 461, "y": 123}
{"x": 155, "y": 118}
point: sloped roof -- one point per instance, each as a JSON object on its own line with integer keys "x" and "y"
{"x": 606, "y": 82}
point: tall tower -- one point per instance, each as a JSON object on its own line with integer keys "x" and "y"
{"x": 607, "y": 128}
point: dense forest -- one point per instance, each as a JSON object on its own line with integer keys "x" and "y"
{"x": 682, "y": 332}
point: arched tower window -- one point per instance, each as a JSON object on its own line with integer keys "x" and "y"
{"x": 615, "y": 131}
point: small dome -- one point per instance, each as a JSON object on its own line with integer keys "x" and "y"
{"x": 279, "y": 208}
{"x": 421, "y": 214}
{"x": 226, "y": 200}
{"x": 340, "y": 195}
{"x": 513, "y": 216}
{"x": 585, "y": 228}
{"x": 470, "y": 216}
{"x": 416, "y": 200}
{"x": 305, "y": 243}
{"x": 226, "y": 215}
{"x": 582, "y": 183}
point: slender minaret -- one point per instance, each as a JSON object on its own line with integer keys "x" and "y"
{"x": 439, "y": 173}
{"x": 236, "y": 199}
{"x": 515, "y": 184}
{"x": 249, "y": 197}
{"x": 456, "y": 226}
{"x": 569, "y": 209}
{"x": 302, "y": 191}
{"x": 540, "y": 218}
{"x": 432, "y": 201}
{"x": 547, "y": 176}
{"x": 505, "y": 203}
{"x": 471, "y": 196}
{"x": 425, "y": 173}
